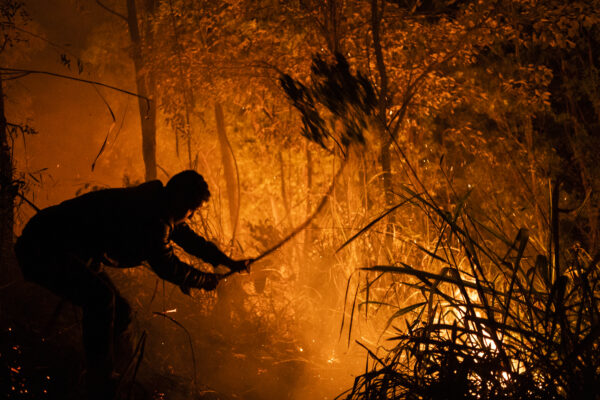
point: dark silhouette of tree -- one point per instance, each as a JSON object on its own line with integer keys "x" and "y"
{"x": 11, "y": 11}
{"x": 8, "y": 187}
{"x": 139, "y": 23}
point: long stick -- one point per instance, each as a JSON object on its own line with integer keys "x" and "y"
{"x": 300, "y": 227}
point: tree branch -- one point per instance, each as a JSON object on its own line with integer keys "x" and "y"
{"x": 110, "y": 10}
{"x": 27, "y": 71}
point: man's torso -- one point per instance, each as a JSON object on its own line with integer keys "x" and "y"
{"x": 124, "y": 225}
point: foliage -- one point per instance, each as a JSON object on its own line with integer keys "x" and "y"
{"x": 349, "y": 99}
{"x": 489, "y": 325}
{"x": 13, "y": 16}
{"x": 491, "y": 99}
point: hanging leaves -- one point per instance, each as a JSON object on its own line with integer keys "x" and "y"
{"x": 335, "y": 98}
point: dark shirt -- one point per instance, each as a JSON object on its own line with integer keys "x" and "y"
{"x": 124, "y": 227}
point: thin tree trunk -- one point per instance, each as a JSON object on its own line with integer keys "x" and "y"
{"x": 8, "y": 192}
{"x": 231, "y": 178}
{"x": 284, "y": 194}
{"x": 308, "y": 237}
{"x": 332, "y": 15}
{"x": 554, "y": 234}
{"x": 384, "y": 152}
{"x": 146, "y": 87}
{"x": 187, "y": 92}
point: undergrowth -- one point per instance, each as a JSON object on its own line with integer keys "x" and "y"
{"x": 489, "y": 317}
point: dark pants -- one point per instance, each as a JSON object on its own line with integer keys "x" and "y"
{"x": 106, "y": 314}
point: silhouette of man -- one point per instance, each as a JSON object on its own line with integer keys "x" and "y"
{"x": 62, "y": 247}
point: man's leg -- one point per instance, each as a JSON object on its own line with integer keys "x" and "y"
{"x": 123, "y": 347}
{"x": 122, "y": 308}
{"x": 69, "y": 278}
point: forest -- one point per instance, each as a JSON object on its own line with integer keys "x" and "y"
{"x": 419, "y": 180}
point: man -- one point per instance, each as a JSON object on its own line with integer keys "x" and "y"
{"x": 63, "y": 246}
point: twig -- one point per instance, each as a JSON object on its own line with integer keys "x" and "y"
{"x": 110, "y": 10}
{"x": 139, "y": 352}
{"x": 28, "y": 71}
{"x": 36, "y": 208}
{"x": 189, "y": 339}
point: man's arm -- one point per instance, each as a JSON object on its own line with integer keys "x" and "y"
{"x": 197, "y": 246}
{"x": 167, "y": 266}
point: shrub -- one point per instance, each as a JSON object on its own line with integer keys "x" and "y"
{"x": 492, "y": 324}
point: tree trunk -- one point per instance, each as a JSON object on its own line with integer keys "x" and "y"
{"x": 332, "y": 21}
{"x": 146, "y": 87}
{"x": 308, "y": 237}
{"x": 284, "y": 193}
{"x": 384, "y": 152}
{"x": 231, "y": 177}
{"x": 8, "y": 191}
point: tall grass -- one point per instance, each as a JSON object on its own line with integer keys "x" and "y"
{"x": 493, "y": 318}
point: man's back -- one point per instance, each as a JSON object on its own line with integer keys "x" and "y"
{"x": 124, "y": 224}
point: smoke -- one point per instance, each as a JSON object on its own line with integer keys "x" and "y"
{"x": 274, "y": 333}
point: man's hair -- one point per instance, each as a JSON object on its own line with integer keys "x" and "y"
{"x": 189, "y": 188}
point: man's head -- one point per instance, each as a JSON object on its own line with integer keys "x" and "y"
{"x": 186, "y": 191}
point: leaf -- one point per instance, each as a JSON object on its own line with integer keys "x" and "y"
{"x": 403, "y": 311}
{"x": 103, "y": 145}
{"x": 65, "y": 60}
{"x": 431, "y": 254}
{"x": 114, "y": 120}
{"x": 370, "y": 224}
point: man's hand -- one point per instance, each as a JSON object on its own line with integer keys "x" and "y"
{"x": 210, "y": 282}
{"x": 200, "y": 280}
{"x": 240, "y": 265}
